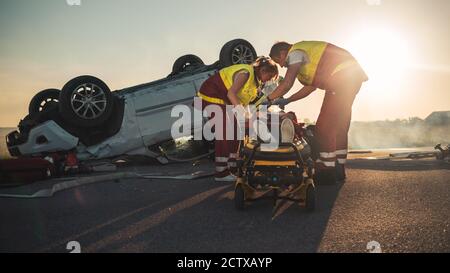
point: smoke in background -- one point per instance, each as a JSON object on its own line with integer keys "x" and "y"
{"x": 410, "y": 133}
{"x": 398, "y": 134}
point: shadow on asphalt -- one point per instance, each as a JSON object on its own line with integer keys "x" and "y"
{"x": 174, "y": 216}
{"x": 208, "y": 222}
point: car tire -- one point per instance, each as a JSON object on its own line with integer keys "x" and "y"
{"x": 85, "y": 101}
{"x": 43, "y": 101}
{"x": 238, "y": 51}
{"x": 186, "y": 63}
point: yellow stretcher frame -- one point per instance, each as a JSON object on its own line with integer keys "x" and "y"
{"x": 297, "y": 192}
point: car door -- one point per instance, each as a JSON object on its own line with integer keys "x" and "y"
{"x": 154, "y": 105}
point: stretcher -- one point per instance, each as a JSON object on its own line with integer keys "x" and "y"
{"x": 284, "y": 173}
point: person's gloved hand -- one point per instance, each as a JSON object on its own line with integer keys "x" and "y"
{"x": 281, "y": 102}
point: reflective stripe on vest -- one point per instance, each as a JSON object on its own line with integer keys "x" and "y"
{"x": 249, "y": 91}
{"x": 211, "y": 99}
{"x": 345, "y": 65}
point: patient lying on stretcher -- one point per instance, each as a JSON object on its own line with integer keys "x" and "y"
{"x": 289, "y": 127}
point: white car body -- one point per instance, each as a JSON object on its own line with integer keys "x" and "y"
{"x": 146, "y": 121}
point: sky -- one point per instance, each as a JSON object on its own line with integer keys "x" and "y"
{"x": 402, "y": 44}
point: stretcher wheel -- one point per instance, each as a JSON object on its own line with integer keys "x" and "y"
{"x": 239, "y": 198}
{"x": 310, "y": 199}
{"x": 275, "y": 198}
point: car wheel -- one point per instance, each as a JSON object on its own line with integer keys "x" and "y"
{"x": 237, "y": 51}
{"x": 85, "y": 101}
{"x": 186, "y": 63}
{"x": 43, "y": 101}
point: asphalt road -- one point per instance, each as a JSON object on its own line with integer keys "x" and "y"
{"x": 402, "y": 205}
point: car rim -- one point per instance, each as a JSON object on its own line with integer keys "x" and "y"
{"x": 187, "y": 66}
{"x": 88, "y": 101}
{"x": 44, "y": 102}
{"x": 242, "y": 55}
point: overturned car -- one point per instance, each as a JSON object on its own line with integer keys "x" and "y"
{"x": 86, "y": 118}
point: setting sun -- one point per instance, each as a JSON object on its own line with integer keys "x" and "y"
{"x": 385, "y": 55}
{"x": 187, "y": 130}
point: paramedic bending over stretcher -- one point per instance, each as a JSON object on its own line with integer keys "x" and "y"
{"x": 235, "y": 85}
{"x": 323, "y": 65}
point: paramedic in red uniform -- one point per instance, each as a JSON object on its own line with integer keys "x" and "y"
{"x": 235, "y": 85}
{"x": 325, "y": 66}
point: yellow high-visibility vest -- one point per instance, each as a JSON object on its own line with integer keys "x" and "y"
{"x": 249, "y": 91}
{"x": 314, "y": 50}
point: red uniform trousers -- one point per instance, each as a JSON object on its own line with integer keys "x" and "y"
{"x": 225, "y": 150}
{"x": 334, "y": 120}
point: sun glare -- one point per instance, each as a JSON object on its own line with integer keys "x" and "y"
{"x": 384, "y": 54}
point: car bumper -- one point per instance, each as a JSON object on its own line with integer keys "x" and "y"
{"x": 45, "y": 138}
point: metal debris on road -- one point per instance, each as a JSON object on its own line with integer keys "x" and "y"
{"x": 414, "y": 155}
{"x": 192, "y": 176}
